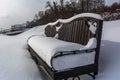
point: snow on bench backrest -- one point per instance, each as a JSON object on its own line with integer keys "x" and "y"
{"x": 78, "y": 29}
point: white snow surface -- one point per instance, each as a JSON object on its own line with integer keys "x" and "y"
{"x": 91, "y": 43}
{"x": 16, "y": 62}
{"x": 91, "y": 15}
{"x": 47, "y": 47}
{"x": 71, "y": 61}
{"x": 58, "y": 27}
{"x": 93, "y": 27}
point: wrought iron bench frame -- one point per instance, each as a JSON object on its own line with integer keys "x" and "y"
{"x": 81, "y": 21}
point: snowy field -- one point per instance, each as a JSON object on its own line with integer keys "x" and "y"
{"x": 16, "y": 62}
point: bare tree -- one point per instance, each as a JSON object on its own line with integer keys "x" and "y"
{"x": 48, "y": 4}
{"x": 41, "y": 14}
{"x": 36, "y": 17}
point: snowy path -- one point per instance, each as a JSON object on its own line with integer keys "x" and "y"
{"x": 16, "y": 62}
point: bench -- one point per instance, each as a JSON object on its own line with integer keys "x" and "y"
{"x": 71, "y": 47}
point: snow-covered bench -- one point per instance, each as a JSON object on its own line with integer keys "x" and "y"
{"x": 70, "y": 48}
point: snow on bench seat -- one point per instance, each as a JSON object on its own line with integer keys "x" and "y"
{"x": 47, "y": 47}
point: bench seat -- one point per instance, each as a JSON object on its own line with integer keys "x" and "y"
{"x": 47, "y": 48}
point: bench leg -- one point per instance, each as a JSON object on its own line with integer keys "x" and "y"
{"x": 76, "y": 78}
{"x": 95, "y": 73}
{"x": 92, "y": 75}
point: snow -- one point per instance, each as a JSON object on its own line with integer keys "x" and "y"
{"x": 110, "y": 52}
{"x": 58, "y": 27}
{"x": 56, "y": 36}
{"x": 91, "y": 43}
{"x": 47, "y": 47}
{"x": 71, "y": 61}
{"x": 16, "y": 62}
{"x": 91, "y": 15}
{"x": 93, "y": 27}
{"x": 112, "y": 34}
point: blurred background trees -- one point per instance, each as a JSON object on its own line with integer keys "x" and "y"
{"x": 65, "y": 9}
{"x": 62, "y": 9}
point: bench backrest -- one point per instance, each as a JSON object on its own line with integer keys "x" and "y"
{"x": 78, "y": 29}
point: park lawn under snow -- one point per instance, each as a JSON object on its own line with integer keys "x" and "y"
{"x": 16, "y": 62}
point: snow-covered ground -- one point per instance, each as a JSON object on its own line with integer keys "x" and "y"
{"x": 109, "y": 67}
{"x": 16, "y": 62}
